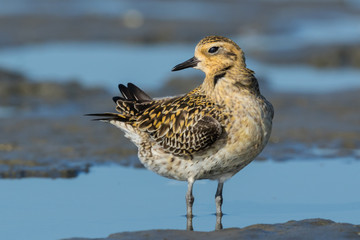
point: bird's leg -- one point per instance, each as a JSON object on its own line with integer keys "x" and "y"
{"x": 219, "y": 198}
{"x": 189, "y": 198}
{"x": 189, "y": 204}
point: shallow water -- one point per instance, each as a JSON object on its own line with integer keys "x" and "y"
{"x": 113, "y": 199}
{"x": 149, "y": 66}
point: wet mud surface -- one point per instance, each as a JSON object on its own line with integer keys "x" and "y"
{"x": 44, "y": 132}
{"x": 305, "y": 229}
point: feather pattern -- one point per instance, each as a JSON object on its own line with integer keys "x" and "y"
{"x": 183, "y": 125}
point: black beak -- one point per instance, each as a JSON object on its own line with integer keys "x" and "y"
{"x": 192, "y": 62}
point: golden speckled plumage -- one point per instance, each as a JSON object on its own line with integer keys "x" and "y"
{"x": 182, "y": 125}
{"x": 211, "y": 132}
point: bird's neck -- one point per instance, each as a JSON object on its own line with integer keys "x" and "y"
{"x": 229, "y": 83}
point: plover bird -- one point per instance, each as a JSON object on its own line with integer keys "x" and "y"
{"x": 211, "y": 132}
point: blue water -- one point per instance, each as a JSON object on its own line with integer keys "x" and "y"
{"x": 149, "y": 66}
{"x": 114, "y": 199}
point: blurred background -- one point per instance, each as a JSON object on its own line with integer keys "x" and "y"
{"x": 62, "y": 59}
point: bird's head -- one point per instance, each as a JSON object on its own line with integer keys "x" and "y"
{"x": 223, "y": 62}
{"x": 214, "y": 54}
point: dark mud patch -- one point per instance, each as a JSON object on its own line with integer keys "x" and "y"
{"x": 307, "y": 125}
{"x": 59, "y": 147}
{"x": 320, "y": 229}
{"x": 19, "y": 92}
{"x": 19, "y": 168}
{"x": 321, "y": 56}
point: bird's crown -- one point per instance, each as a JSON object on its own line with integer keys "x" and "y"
{"x": 213, "y": 39}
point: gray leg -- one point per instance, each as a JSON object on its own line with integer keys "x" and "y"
{"x": 219, "y": 198}
{"x": 189, "y": 198}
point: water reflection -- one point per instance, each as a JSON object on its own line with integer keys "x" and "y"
{"x": 189, "y": 223}
{"x": 218, "y": 225}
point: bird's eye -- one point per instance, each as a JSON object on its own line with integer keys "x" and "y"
{"x": 213, "y": 49}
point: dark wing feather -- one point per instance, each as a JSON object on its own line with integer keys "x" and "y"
{"x": 134, "y": 93}
{"x": 138, "y": 94}
{"x": 126, "y": 92}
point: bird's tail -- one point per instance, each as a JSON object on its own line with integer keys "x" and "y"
{"x": 132, "y": 103}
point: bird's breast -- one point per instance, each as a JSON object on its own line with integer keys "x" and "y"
{"x": 249, "y": 127}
